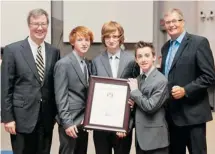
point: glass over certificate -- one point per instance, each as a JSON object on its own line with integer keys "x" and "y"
{"x": 107, "y": 107}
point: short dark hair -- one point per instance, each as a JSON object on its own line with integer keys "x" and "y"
{"x": 142, "y": 44}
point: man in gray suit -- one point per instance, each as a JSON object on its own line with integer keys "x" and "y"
{"x": 115, "y": 63}
{"x": 149, "y": 92}
{"x": 71, "y": 84}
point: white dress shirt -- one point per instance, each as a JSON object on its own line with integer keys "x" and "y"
{"x": 34, "y": 48}
{"x": 114, "y": 62}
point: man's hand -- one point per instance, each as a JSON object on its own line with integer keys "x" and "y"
{"x": 121, "y": 134}
{"x": 131, "y": 103}
{"x": 178, "y": 92}
{"x": 133, "y": 84}
{"x": 72, "y": 131}
{"x": 10, "y": 127}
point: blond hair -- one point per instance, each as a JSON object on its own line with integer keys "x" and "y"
{"x": 175, "y": 10}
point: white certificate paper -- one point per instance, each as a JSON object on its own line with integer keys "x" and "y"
{"x": 108, "y": 107}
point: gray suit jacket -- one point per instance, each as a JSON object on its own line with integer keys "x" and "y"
{"x": 150, "y": 123}
{"x": 101, "y": 67}
{"x": 70, "y": 91}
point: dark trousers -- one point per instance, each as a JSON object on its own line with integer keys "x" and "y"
{"x": 193, "y": 137}
{"x": 37, "y": 142}
{"x": 156, "y": 151}
{"x": 69, "y": 145}
{"x": 105, "y": 141}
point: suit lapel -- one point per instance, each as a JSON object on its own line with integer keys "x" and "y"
{"x": 122, "y": 64}
{"x": 150, "y": 78}
{"x": 106, "y": 63}
{"x": 28, "y": 56}
{"x": 180, "y": 50}
{"x": 77, "y": 68}
{"x": 48, "y": 59}
{"x": 164, "y": 56}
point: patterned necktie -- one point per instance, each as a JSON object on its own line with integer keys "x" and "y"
{"x": 40, "y": 64}
{"x": 85, "y": 71}
{"x": 171, "y": 56}
{"x": 114, "y": 67}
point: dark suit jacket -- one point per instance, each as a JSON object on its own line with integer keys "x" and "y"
{"x": 70, "y": 91}
{"x": 22, "y": 89}
{"x": 127, "y": 68}
{"x": 150, "y": 124}
{"x": 193, "y": 69}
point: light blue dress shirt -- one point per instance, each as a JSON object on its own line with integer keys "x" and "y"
{"x": 173, "y": 48}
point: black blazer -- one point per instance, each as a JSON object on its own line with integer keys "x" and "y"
{"x": 193, "y": 69}
{"x": 22, "y": 89}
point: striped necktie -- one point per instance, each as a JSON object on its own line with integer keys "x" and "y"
{"x": 40, "y": 64}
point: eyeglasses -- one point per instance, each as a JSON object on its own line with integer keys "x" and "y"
{"x": 174, "y": 21}
{"x": 114, "y": 37}
{"x": 36, "y": 25}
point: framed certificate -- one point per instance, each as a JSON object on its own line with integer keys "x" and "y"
{"x": 107, "y": 107}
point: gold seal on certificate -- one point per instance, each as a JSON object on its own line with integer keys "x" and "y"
{"x": 107, "y": 107}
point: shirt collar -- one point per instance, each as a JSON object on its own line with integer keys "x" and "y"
{"x": 79, "y": 58}
{"x": 33, "y": 44}
{"x": 180, "y": 38}
{"x": 117, "y": 54}
{"x": 149, "y": 71}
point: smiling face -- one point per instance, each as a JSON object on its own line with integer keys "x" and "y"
{"x": 112, "y": 36}
{"x": 81, "y": 38}
{"x": 81, "y": 45}
{"x": 112, "y": 42}
{"x": 38, "y": 27}
{"x": 174, "y": 25}
{"x": 144, "y": 58}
